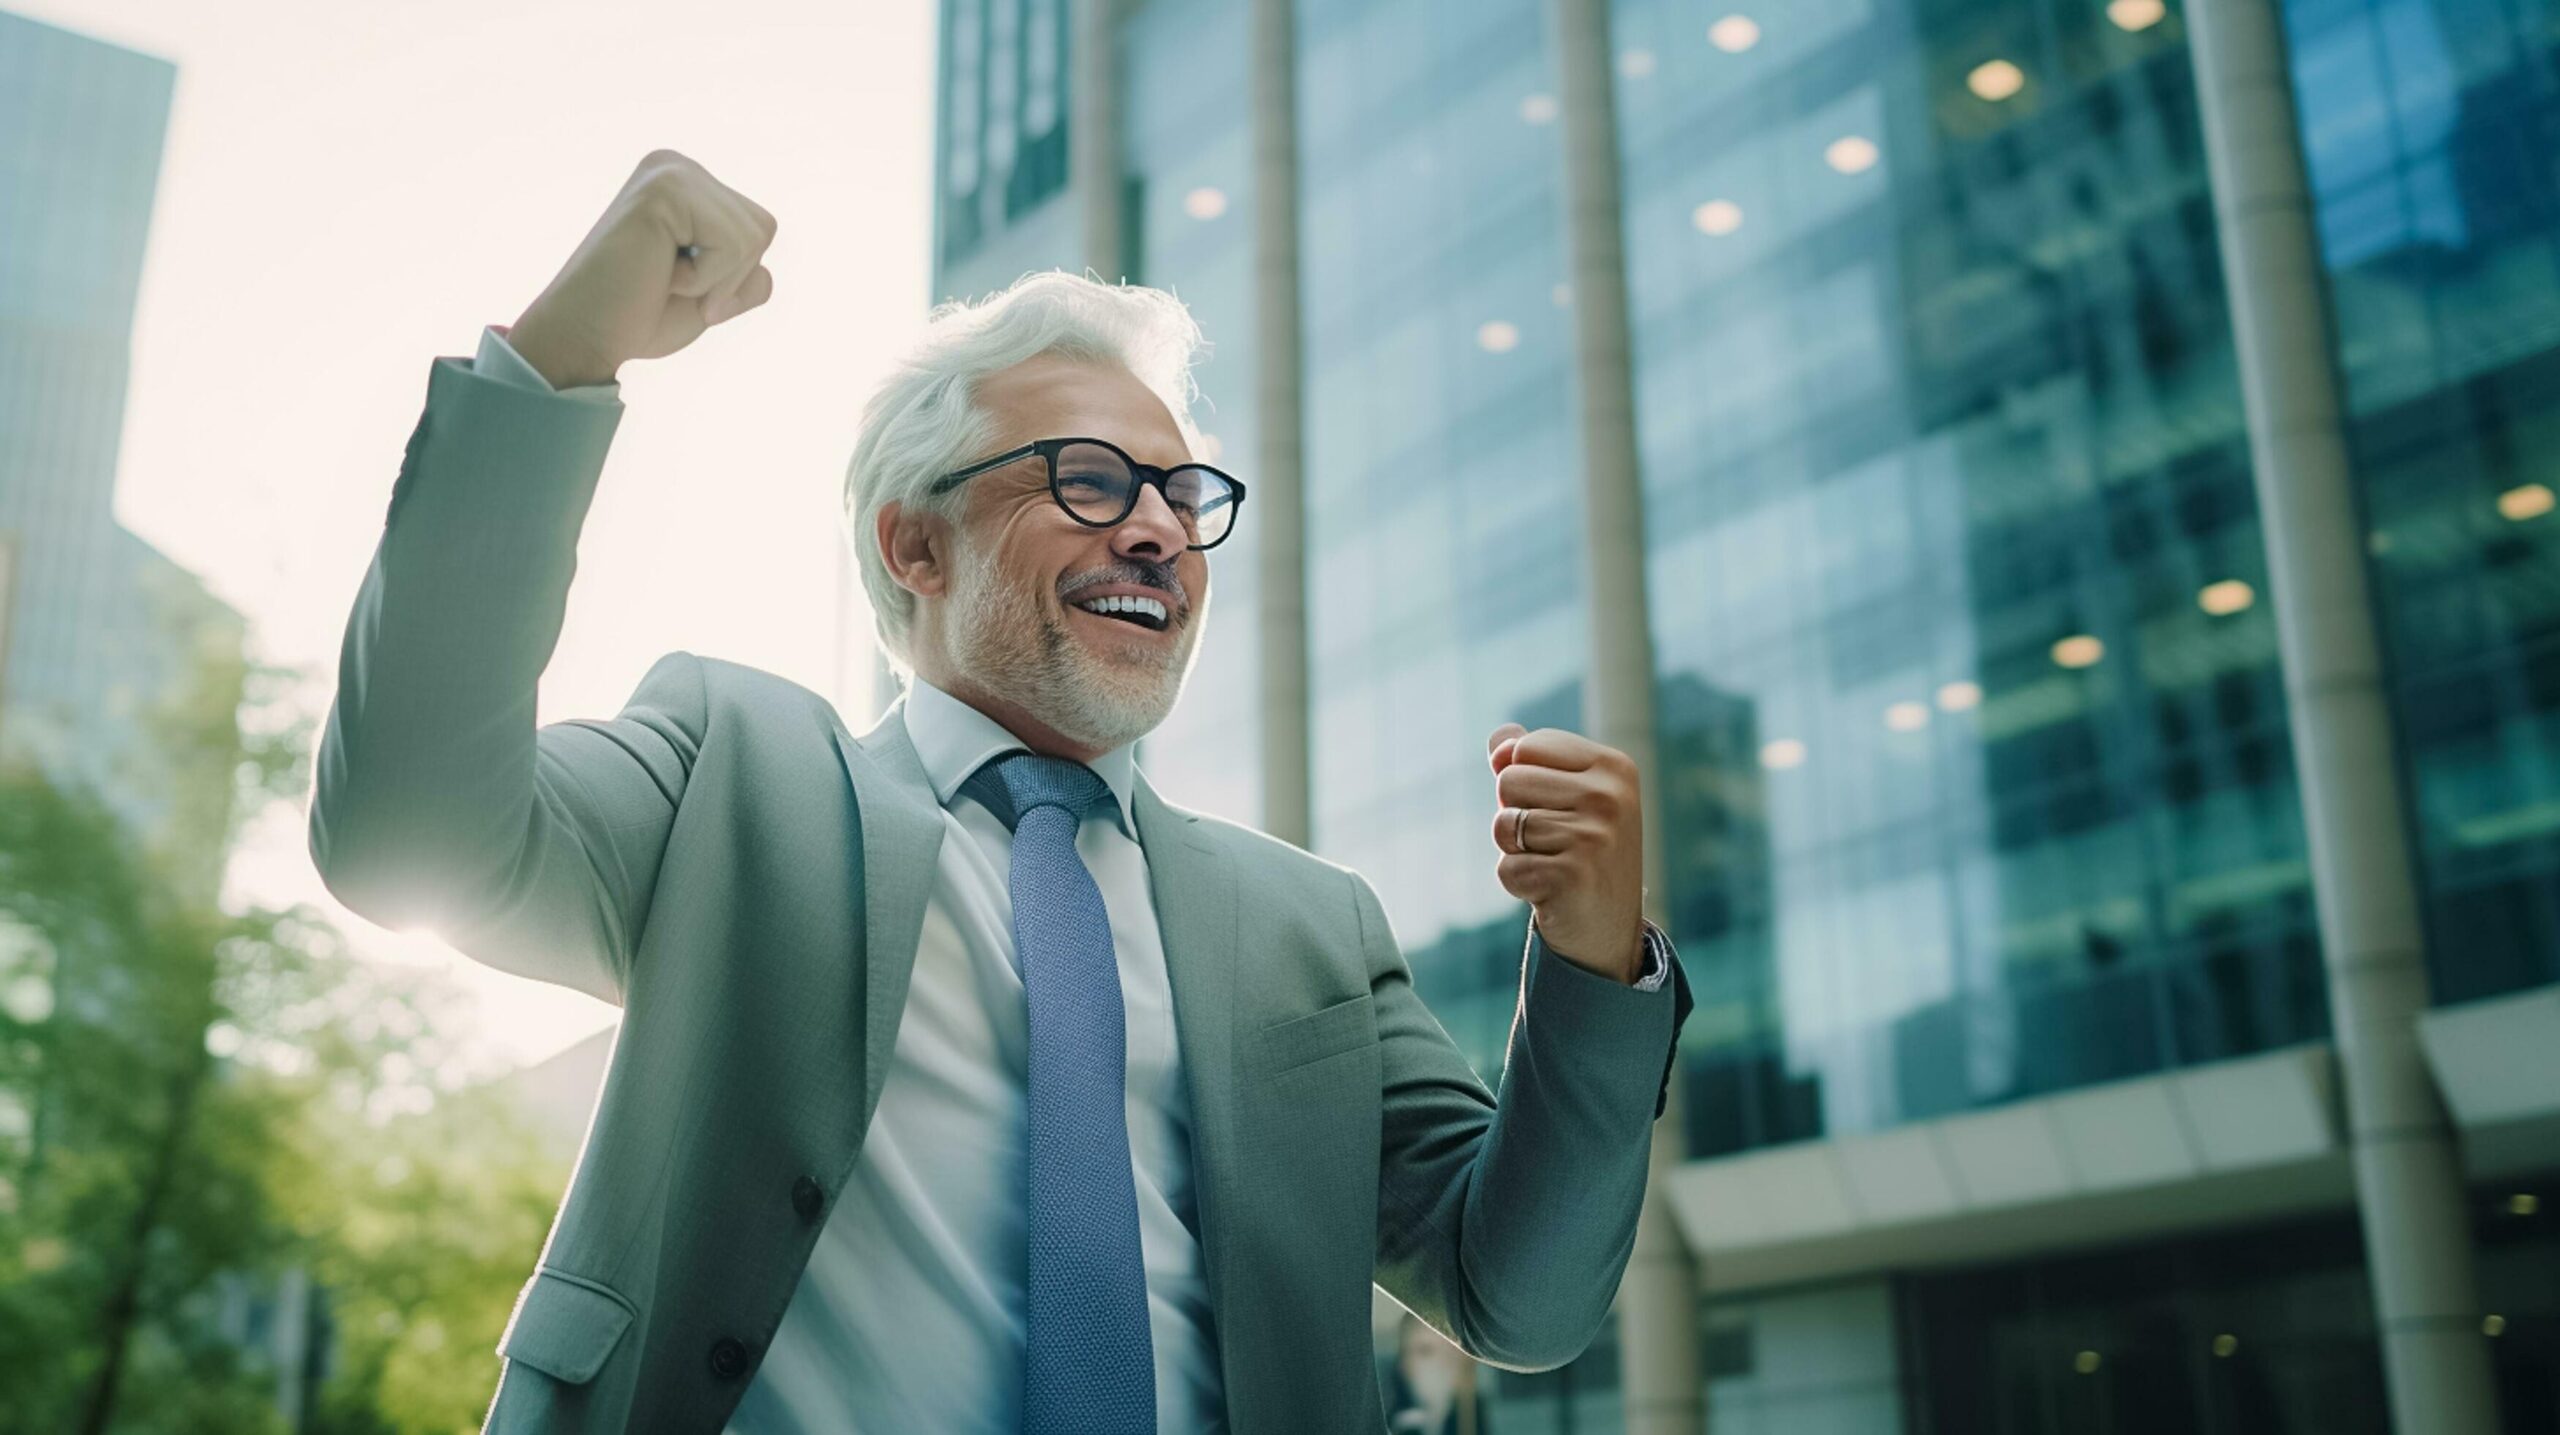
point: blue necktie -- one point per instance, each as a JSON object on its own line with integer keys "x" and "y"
{"x": 1089, "y": 1363}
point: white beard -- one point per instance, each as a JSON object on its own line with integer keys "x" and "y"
{"x": 1104, "y": 699}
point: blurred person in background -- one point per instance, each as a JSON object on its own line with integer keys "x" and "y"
{"x": 963, "y": 1082}
{"x": 1431, "y": 1388}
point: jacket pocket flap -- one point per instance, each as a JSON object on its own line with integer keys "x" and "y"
{"x": 565, "y": 1326}
{"x": 1305, "y": 1040}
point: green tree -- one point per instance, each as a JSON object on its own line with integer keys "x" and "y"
{"x": 195, "y": 1100}
{"x": 431, "y": 1229}
{"x": 145, "y": 1167}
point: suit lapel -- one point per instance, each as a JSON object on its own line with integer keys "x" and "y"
{"x": 1194, "y": 887}
{"x": 901, "y": 839}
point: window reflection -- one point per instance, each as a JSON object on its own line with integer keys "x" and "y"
{"x": 2439, "y": 214}
{"x": 1942, "y": 448}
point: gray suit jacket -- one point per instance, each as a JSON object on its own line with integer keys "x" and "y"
{"x": 747, "y": 880}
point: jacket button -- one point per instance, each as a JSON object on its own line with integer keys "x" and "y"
{"x": 728, "y": 1358}
{"x": 807, "y": 1198}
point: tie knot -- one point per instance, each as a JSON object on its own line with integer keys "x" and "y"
{"x": 1012, "y": 785}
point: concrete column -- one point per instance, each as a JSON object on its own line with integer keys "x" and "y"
{"x": 1658, "y": 1302}
{"x": 2409, "y": 1187}
{"x": 1093, "y": 136}
{"x": 1276, "y": 508}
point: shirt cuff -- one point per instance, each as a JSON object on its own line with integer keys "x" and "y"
{"x": 499, "y": 360}
{"x": 1656, "y": 967}
{"x": 1653, "y": 968}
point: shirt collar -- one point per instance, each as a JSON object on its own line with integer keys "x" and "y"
{"x": 953, "y": 740}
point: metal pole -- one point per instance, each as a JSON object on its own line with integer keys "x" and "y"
{"x": 1093, "y": 138}
{"x": 2409, "y": 1186}
{"x": 1279, "y": 512}
{"x": 1658, "y": 1301}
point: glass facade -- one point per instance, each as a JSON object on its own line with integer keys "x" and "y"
{"x": 1444, "y": 592}
{"x": 1976, "y": 757}
{"x": 2429, "y": 126}
{"x": 1003, "y": 132}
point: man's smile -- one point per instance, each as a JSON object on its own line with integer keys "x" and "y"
{"x": 1128, "y": 605}
{"x": 1148, "y": 613}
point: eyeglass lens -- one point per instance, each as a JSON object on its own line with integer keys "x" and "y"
{"x": 1097, "y": 486}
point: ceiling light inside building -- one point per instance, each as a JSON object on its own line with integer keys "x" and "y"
{"x": 1636, "y": 64}
{"x": 2523, "y": 1203}
{"x": 2493, "y": 1325}
{"x": 1996, "y": 80}
{"x": 2226, "y": 1346}
{"x": 2226, "y": 597}
{"x": 1718, "y": 217}
{"x": 1957, "y": 697}
{"x": 2137, "y": 14}
{"x": 2530, "y": 500}
{"x": 2086, "y": 1362}
{"x": 1205, "y": 203}
{"x": 1781, "y": 754}
{"x": 1852, "y": 154}
{"x": 1907, "y": 716}
{"x": 1498, "y": 336}
{"x": 1734, "y": 34}
{"x": 1539, "y": 109}
{"x": 2079, "y": 651}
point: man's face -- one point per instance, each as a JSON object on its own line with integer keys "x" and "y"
{"x": 1026, "y": 578}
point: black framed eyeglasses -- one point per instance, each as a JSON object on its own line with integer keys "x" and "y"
{"x": 1097, "y": 484}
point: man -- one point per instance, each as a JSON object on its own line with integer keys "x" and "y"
{"x": 963, "y": 1083}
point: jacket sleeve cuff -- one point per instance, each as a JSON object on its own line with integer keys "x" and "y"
{"x": 1556, "y": 991}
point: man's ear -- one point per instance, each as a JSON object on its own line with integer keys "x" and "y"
{"x": 914, "y": 545}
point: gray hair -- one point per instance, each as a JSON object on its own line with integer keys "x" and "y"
{"x": 922, "y": 422}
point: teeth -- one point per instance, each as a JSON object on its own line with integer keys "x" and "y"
{"x": 1148, "y": 608}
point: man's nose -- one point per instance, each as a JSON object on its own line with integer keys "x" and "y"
{"x": 1150, "y": 531}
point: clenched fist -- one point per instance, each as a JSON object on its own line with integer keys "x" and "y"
{"x": 675, "y": 253}
{"x": 1571, "y": 830}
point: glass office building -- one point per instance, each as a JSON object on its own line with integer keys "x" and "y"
{"x": 2011, "y": 1097}
{"x": 95, "y": 624}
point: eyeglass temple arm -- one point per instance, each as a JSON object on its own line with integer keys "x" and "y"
{"x": 952, "y": 479}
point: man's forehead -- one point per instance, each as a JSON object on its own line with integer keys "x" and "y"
{"x": 1053, "y": 396}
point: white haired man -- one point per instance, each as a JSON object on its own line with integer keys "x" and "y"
{"x": 963, "y": 1083}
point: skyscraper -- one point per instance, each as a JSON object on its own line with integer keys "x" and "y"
{"x": 101, "y": 627}
{"x": 2013, "y": 1099}
{"x": 101, "y": 635}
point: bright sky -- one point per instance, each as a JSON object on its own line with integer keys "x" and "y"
{"x": 353, "y": 189}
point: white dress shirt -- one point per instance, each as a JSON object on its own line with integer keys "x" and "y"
{"x": 910, "y": 1315}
